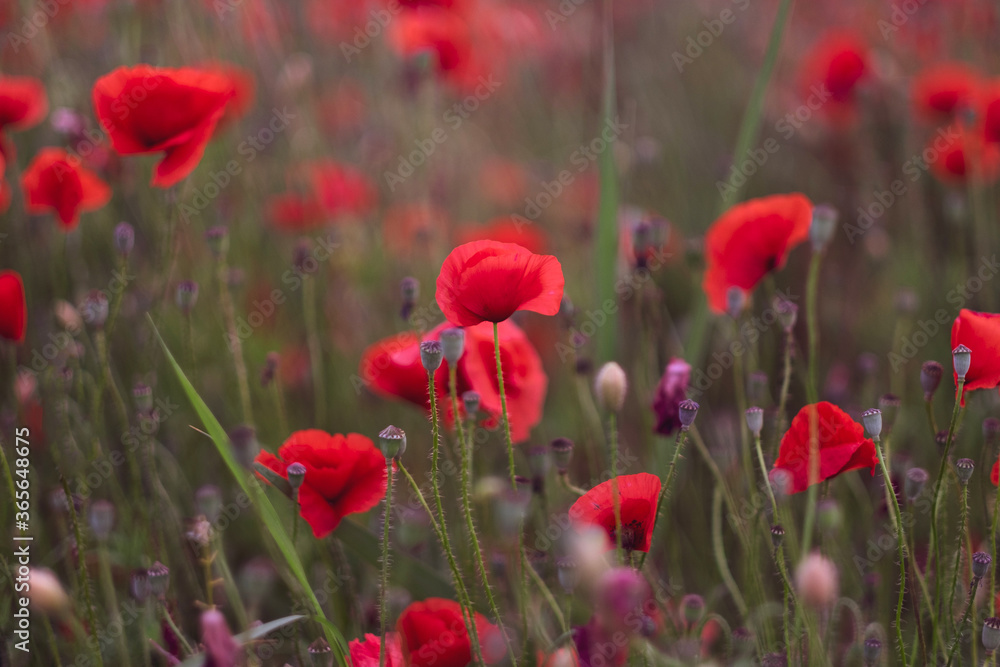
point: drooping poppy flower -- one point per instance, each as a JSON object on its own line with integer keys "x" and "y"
{"x": 54, "y": 181}
{"x": 831, "y": 75}
{"x": 942, "y": 90}
{"x": 507, "y": 229}
{"x": 392, "y": 368}
{"x": 433, "y": 634}
{"x": 671, "y": 390}
{"x": 344, "y": 475}
{"x": 639, "y": 498}
{"x": 980, "y": 332}
{"x": 366, "y": 653}
{"x": 488, "y": 281}
{"x": 750, "y": 240}
{"x": 23, "y": 103}
{"x": 13, "y": 307}
{"x": 841, "y": 442}
{"x": 148, "y": 109}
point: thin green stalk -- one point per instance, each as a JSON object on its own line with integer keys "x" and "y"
{"x": 546, "y": 593}
{"x": 812, "y": 390}
{"x": 785, "y": 382}
{"x": 315, "y": 349}
{"x": 606, "y": 247}
{"x": 786, "y": 585}
{"x": 616, "y": 500}
{"x": 929, "y": 408}
{"x": 50, "y": 636}
{"x": 383, "y": 591}
{"x": 993, "y": 541}
{"x": 111, "y": 600}
{"x": 235, "y": 342}
{"x": 503, "y": 407}
{"x": 279, "y": 407}
{"x": 938, "y": 483}
{"x": 232, "y": 591}
{"x": 763, "y": 472}
{"x": 679, "y": 441}
{"x": 720, "y": 553}
{"x": 81, "y": 554}
{"x": 901, "y": 542}
{"x": 173, "y": 628}
{"x": 962, "y": 525}
{"x": 965, "y": 617}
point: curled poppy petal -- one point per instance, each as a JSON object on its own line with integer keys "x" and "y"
{"x": 639, "y": 498}
{"x": 13, "y": 307}
{"x": 980, "y": 332}
{"x": 366, "y": 653}
{"x": 23, "y": 103}
{"x": 55, "y": 181}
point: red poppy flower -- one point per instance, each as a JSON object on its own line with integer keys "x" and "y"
{"x": 434, "y": 635}
{"x": 366, "y": 653}
{"x": 13, "y": 307}
{"x": 54, "y": 181}
{"x": 832, "y": 72}
{"x": 980, "y": 332}
{"x": 292, "y": 212}
{"x": 23, "y": 102}
{"x": 344, "y": 475}
{"x": 841, "y": 440}
{"x": 440, "y": 32}
{"x": 392, "y": 368}
{"x": 995, "y": 476}
{"x": 751, "y": 239}
{"x": 488, "y": 281}
{"x": 962, "y": 153}
{"x": 943, "y": 89}
{"x": 507, "y": 229}
{"x": 152, "y": 110}
{"x": 341, "y": 189}
{"x": 639, "y": 498}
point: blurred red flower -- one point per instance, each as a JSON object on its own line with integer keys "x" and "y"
{"x": 980, "y": 332}
{"x": 507, "y": 229}
{"x": 942, "y": 90}
{"x": 23, "y": 103}
{"x": 437, "y": 31}
{"x": 841, "y": 440}
{"x": 434, "y": 635}
{"x": 488, "y": 281}
{"x": 293, "y": 212}
{"x": 639, "y": 498}
{"x": 4, "y": 186}
{"x": 989, "y": 110}
{"x": 13, "y": 307}
{"x": 671, "y": 390}
{"x": 413, "y": 230}
{"x": 831, "y": 74}
{"x": 342, "y": 190}
{"x": 54, "y": 181}
{"x": 366, "y": 653}
{"x": 392, "y": 368}
{"x": 148, "y": 109}
{"x": 344, "y": 475}
{"x": 751, "y": 239}
{"x": 961, "y": 154}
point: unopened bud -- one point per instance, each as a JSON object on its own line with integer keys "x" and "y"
{"x": 962, "y": 358}
{"x": 687, "y": 410}
{"x": 45, "y": 593}
{"x": 755, "y": 420}
{"x": 610, "y": 385}
{"x": 470, "y": 400}
{"x": 431, "y": 355}
{"x": 824, "y": 221}
{"x": 409, "y": 292}
{"x": 320, "y": 653}
{"x": 872, "y": 651}
{"x": 187, "y": 295}
{"x": 777, "y": 535}
{"x": 392, "y": 442}
{"x": 693, "y": 608}
{"x": 817, "y": 580}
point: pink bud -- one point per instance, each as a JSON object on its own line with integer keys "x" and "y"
{"x": 221, "y": 648}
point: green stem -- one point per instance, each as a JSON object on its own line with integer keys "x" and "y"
{"x": 785, "y": 382}
{"x": 763, "y": 472}
{"x": 938, "y": 484}
{"x": 315, "y": 349}
{"x": 961, "y": 624}
{"x": 383, "y": 601}
{"x": 111, "y": 599}
{"x": 173, "y": 627}
{"x": 679, "y": 441}
{"x": 993, "y": 540}
{"x": 81, "y": 554}
{"x": 235, "y": 342}
{"x": 720, "y": 553}
{"x": 901, "y": 542}
{"x": 812, "y": 389}
{"x": 503, "y": 407}
{"x": 616, "y": 500}
{"x": 963, "y": 517}
{"x": 929, "y": 408}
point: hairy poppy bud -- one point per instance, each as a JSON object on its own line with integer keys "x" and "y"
{"x": 755, "y": 420}
{"x": 431, "y": 355}
{"x": 124, "y": 236}
{"x": 687, "y": 411}
{"x": 872, "y": 420}
{"x": 296, "y": 475}
{"x": 610, "y": 385}
{"x": 930, "y": 378}
{"x": 409, "y": 292}
{"x": 453, "y": 344}
{"x": 159, "y": 579}
{"x": 824, "y": 221}
{"x": 980, "y": 564}
{"x": 562, "y": 452}
{"x": 470, "y": 400}
{"x": 991, "y": 634}
{"x": 187, "y": 295}
{"x": 962, "y": 358}
{"x": 392, "y": 442}
{"x": 964, "y": 469}
{"x": 916, "y": 478}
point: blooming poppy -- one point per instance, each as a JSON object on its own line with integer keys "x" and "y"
{"x": 980, "y": 332}
{"x": 940, "y": 91}
{"x": 392, "y": 368}
{"x": 23, "y": 103}
{"x": 54, "y": 181}
{"x": 750, "y": 240}
{"x": 365, "y": 653}
{"x": 832, "y": 72}
{"x": 148, "y": 109}
{"x": 13, "y": 307}
{"x": 433, "y": 634}
{"x": 344, "y": 475}
{"x": 488, "y": 281}
{"x": 671, "y": 390}
{"x": 507, "y": 229}
{"x": 639, "y": 496}
{"x": 841, "y": 442}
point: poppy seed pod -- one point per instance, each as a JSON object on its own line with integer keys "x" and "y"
{"x": 296, "y": 475}
{"x": 964, "y": 469}
{"x": 872, "y": 651}
{"x": 930, "y": 378}
{"x": 962, "y": 358}
{"x": 187, "y": 295}
{"x": 431, "y": 355}
{"x": 777, "y": 535}
{"x": 687, "y": 411}
{"x": 159, "y": 579}
{"x": 755, "y": 420}
{"x": 991, "y": 634}
{"x": 471, "y": 400}
{"x": 453, "y": 344}
{"x": 610, "y": 385}
{"x": 124, "y": 236}
{"x": 889, "y": 405}
{"x": 872, "y": 419}
{"x": 824, "y": 221}
{"x": 562, "y": 453}
{"x": 980, "y": 564}
{"x": 217, "y": 239}
{"x": 693, "y": 607}
{"x": 320, "y": 653}
{"x": 409, "y": 291}
{"x": 916, "y": 479}
{"x": 392, "y": 442}
{"x": 787, "y": 312}
{"x": 569, "y": 575}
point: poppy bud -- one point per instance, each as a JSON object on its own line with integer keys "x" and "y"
{"x": 930, "y": 378}
{"x": 470, "y": 399}
{"x": 102, "y": 519}
{"x": 916, "y": 478}
{"x": 824, "y": 221}
{"x": 889, "y": 405}
{"x": 829, "y": 515}
{"x": 94, "y": 309}
{"x": 320, "y": 653}
{"x": 872, "y": 651}
{"x": 431, "y": 355}
{"x": 569, "y": 576}
{"x": 872, "y": 419}
{"x": 787, "y": 311}
{"x": 392, "y": 442}
{"x": 962, "y": 358}
{"x": 142, "y": 396}
{"x": 124, "y": 236}
{"x": 409, "y": 291}
{"x": 270, "y": 368}
{"x": 687, "y": 410}
{"x": 221, "y": 648}
{"x": 562, "y": 452}
{"x": 991, "y": 634}
{"x": 217, "y": 239}
{"x": 159, "y": 579}
{"x": 208, "y": 500}
{"x": 187, "y": 295}
{"x": 610, "y": 385}
{"x": 964, "y": 469}
{"x": 296, "y": 475}
{"x": 816, "y": 580}
{"x": 642, "y": 236}
{"x": 755, "y": 420}
{"x": 777, "y": 535}
{"x": 453, "y": 344}
{"x": 736, "y": 301}
{"x": 244, "y": 440}
{"x": 693, "y": 607}
{"x": 980, "y": 564}
{"x": 68, "y": 317}
{"x": 743, "y": 641}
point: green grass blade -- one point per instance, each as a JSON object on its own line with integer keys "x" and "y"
{"x": 606, "y": 265}
{"x": 250, "y": 635}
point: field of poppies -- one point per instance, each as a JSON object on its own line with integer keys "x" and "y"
{"x": 551, "y": 333}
